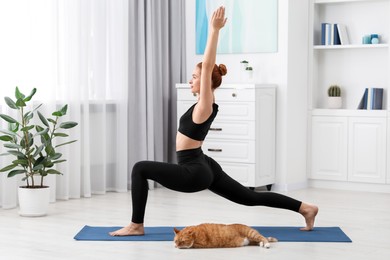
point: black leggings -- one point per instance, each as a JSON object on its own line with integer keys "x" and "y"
{"x": 194, "y": 172}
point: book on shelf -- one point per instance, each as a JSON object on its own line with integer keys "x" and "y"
{"x": 372, "y": 99}
{"x": 343, "y": 35}
{"x": 333, "y": 34}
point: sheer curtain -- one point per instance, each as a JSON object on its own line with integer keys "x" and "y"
{"x": 156, "y": 62}
{"x": 76, "y": 53}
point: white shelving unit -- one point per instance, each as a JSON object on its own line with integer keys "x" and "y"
{"x": 356, "y": 66}
{"x": 349, "y": 145}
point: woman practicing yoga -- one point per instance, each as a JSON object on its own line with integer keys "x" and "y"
{"x": 196, "y": 171}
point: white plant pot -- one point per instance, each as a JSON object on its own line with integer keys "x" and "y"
{"x": 335, "y": 102}
{"x": 33, "y": 202}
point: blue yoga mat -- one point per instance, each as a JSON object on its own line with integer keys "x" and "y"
{"x": 283, "y": 234}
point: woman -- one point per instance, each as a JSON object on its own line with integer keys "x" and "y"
{"x": 196, "y": 171}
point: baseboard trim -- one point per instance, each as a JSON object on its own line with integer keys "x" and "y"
{"x": 350, "y": 186}
{"x": 286, "y": 187}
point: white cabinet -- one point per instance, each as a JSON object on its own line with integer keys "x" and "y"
{"x": 349, "y": 148}
{"x": 242, "y": 137}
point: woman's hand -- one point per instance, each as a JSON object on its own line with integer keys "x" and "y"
{"x": 218, "y": 19}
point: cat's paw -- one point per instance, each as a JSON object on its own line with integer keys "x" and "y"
{"x": 266, "y": 244}
{"x": 272, "y": 239}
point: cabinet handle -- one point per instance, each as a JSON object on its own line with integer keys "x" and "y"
{"x": 215, "y": 129}
{"x": 234, "y": 95}
{"x": 214, "y": 150}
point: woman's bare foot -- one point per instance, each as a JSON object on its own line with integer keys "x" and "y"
{"x": 132, "y": 229}
{"x": 309, "y": 212}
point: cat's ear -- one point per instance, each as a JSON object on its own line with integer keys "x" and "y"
{"x": 176, "y": 230}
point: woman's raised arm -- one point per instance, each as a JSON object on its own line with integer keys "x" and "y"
{"x": 204, "y": 107}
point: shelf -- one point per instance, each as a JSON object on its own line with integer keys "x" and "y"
{"x": 338, "y": 1}
{"x": 351, "y": 46}
{"x": 348, "y": 112}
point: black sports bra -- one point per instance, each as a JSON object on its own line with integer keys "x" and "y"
{"x": 193, "y": 130}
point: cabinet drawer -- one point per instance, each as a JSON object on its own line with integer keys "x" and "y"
{"x": 236, "y": 111}
{"x": 232, "y": 130}
{"x": 221, "y": 95}
{"x": 234, "y": 95}
{"x": 243, "y": 173}
{"x": 225, "y": 150}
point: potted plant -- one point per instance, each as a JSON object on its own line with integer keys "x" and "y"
{"x": 33, "y": 144}
{"x": 334, "y": 97}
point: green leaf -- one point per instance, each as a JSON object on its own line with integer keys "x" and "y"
{"x": 15, "y": 172}
{"x": 66, "y": 143}
{"x": 43, "y": 119}
{"x": 27, "y": 128}
{"x": 20, "y": 103}
{"x": 33, "y": 91}
{"x": 43, "y": 132}
{"x": 50, "y": 150}
{"x": 52, "y": 171}
{"x": 59, "y": 161}
{"x": 39, "y": 128}
{"x": 39, "y": 150}
{"x": 18, "y": 94}
{"x": 9, "y": 167}
{"x": 48, "y": 164}
{"x": 8, "y": 119}
{"x": 6, "y": 138}
{"x": 10, "y": 103}
{"x": 67, "y": 125}
{"x": 52, "y": 121}
{"x": 7, "y": 132}
{"x": 22, "y": 162}
{"x": 28, "y": 116}
{"x": 56, "y": 156}
{"x": 13, "y": 146}
{"x": 16, "y": 153}
{"x": 64, "y": 109}
{"x": 38, "y": 167}
{"x": 57, "y": 113}
{"x": 13, "y": 127}
{"x": 61, "y": 134}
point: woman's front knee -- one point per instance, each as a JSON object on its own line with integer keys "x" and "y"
{"x": 138, "y": 168}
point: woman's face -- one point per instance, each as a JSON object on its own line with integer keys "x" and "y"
{"x": 195, "y": 81}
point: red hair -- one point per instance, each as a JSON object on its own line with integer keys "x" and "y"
{"x": 216, "y": 76}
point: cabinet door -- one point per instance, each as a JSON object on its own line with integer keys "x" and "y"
{"x": 367, "y": 150}
{"x": 329, "y": 148}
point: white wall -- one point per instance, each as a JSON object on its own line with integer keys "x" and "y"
{"x": 288, "y": 70}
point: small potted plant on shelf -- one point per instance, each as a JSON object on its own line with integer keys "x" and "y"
{"x": 33, "y": 144}
{"x": 334, "y": 97}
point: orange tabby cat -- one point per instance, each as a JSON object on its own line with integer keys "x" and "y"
{"x": 219, "y": 235}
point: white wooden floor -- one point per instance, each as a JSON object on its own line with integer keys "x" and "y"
{"x": 365, "y": 217}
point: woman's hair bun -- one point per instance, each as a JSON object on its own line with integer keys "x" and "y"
{"x": 222, "y": 69}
